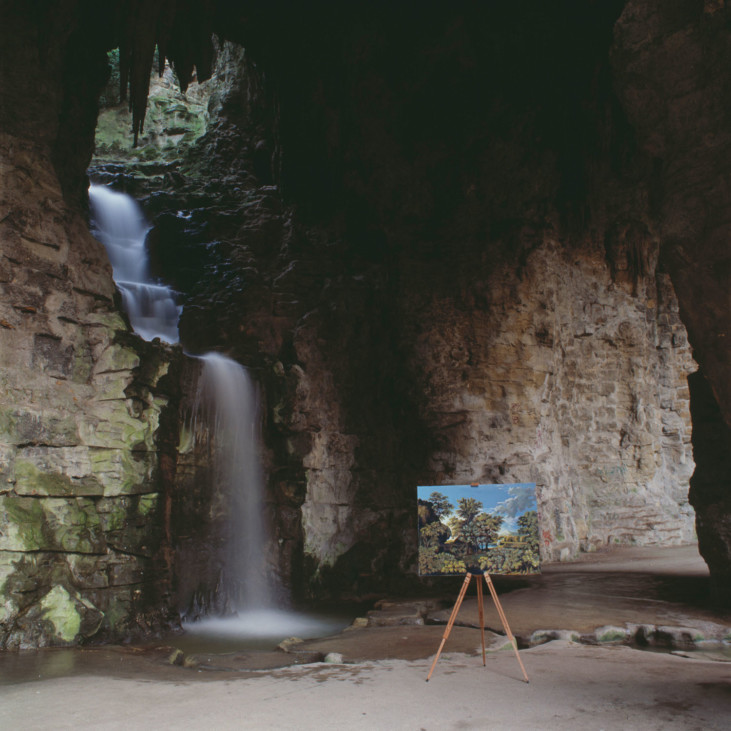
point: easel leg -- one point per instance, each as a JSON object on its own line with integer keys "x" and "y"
{"x": 481, "y": 614}
{"x": 452, "y": 617}
{"x": 504, "y": 620}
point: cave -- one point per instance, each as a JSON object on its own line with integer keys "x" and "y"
{"x": 481, "y": 241}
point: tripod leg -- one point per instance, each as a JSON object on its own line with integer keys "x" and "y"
{"x": 452, "y": 617}
{"x": 504, "y": 620}
{"x": 481, "y": 613}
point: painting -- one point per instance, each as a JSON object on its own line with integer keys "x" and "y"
{"x": 478, "y": 528}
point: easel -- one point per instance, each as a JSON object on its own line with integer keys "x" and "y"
{"x": 481, "y": 613}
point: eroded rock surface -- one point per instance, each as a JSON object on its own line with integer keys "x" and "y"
{"x": 544, "y": 356}
{"x": 672, "y": 74}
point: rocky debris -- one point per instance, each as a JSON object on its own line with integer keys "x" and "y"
{"x": 703, "y": 636}
{"x": 252, "y": 661}
{"x": 541, "y": 636}
{"x": 288, "y": 644}
{"x": 392, "y": 613}
{"x": 610, "y": 634}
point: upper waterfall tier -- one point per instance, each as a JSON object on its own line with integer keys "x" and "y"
{"x": 118, "y": 222}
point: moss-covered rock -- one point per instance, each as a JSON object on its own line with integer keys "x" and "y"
{"x": 173, "y": 122}
{"x": 124, "y": 472}
{"x": 59, "y": 609}
{"x": 51, "y": 524}
{"x": 55, "y": 472}
{"x": 22, "y": 525}
{"x": 129, "y": 523}
{"x": 61, "y": 617}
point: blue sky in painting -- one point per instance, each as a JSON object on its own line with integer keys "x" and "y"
{"x": 510, "y": 501}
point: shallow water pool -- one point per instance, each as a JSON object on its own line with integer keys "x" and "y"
{"x": 258, "y": 629}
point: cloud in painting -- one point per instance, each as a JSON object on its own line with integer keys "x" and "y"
{"x": 522, "y": 499}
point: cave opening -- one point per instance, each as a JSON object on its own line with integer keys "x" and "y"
{"x": 450, "y": 246}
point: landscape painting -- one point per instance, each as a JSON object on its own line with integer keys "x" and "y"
{"x": 478, "y": 528}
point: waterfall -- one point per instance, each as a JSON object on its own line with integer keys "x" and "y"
{"x": 118, "y": 222}
{"x": 226, "y": 406}
{"x": 228, "y": 400}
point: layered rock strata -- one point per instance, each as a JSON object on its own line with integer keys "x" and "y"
{"x": 88, "y": 412}
{"x": 84, "y": 409}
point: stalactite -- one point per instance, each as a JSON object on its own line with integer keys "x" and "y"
{"x": 190, "y": 44}
{"x": 631, "y": 252}
{"x": 181, "y": 30}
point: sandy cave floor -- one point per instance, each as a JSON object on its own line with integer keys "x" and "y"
{"x": 380, "y": 683}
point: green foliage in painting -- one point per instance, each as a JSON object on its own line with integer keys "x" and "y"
{"x": 440, "y": 504}
{"x": 469, "y": 538}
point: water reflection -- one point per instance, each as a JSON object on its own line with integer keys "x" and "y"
{"x": 24, "y": 666}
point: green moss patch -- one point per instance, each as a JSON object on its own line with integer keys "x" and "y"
{"x": 60, "y": 610}
{"x": 50, "y": 524}
{"x": 31, "y": 480}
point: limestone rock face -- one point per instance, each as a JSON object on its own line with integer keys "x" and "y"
{"x": 671, "y": 64}
{"x": 85, "y": 405}
{"x": 566, "y": 365}
{"x": 561, "y": 377}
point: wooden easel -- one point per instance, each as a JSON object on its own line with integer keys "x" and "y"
{"x": 481, "y": 612}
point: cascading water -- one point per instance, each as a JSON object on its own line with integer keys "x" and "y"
{"x": 118, "y": 222}
{"x": 228, "y": 404}
{"x": 228, "y": 401}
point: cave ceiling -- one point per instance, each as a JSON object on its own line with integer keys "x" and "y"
{"x": 425, "y": 126}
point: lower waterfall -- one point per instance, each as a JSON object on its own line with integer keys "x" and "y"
{"x": 227, "y": 401}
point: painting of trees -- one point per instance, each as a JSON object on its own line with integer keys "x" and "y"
{"x": 501, "y": 538}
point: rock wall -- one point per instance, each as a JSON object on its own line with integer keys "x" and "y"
{"x": 82, "y": 533}
{"x": 88, "y": 416}
{"x": 671, "y": 65}
{"x": 559, "y": 375}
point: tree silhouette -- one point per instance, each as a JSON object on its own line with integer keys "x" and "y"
{"x": 440, "y": 504}
{"x": 485, "y": 529}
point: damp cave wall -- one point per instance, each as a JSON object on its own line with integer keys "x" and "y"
{"x": 88, "y": 411}
{"x": 453, "y": 261}
{"x": 483, "y": 236}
